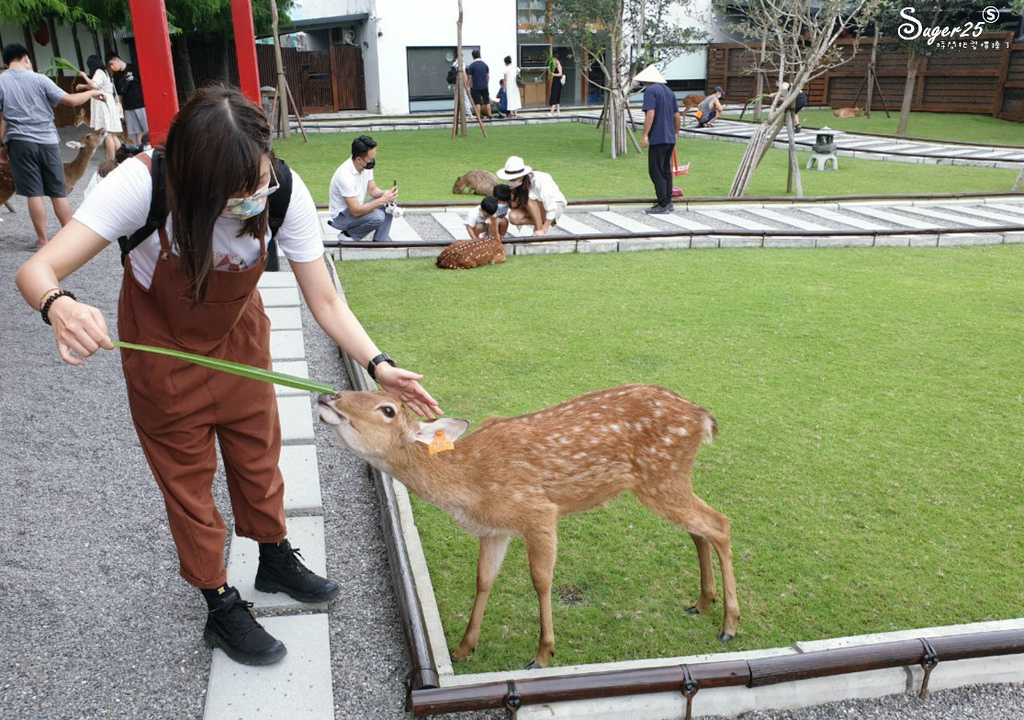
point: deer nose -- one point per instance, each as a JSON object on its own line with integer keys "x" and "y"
{"x": 325, "y": 399}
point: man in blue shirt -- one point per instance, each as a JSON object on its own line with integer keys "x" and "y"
{"x": 478, "y": 75}
{"x": 661, "y": 126}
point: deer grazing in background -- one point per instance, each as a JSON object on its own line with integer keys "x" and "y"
{"x": 73, "y": 170}
{"x": 517, "y": 476}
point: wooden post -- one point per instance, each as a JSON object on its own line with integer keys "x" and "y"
{"x": 153, "y": 47}
{"x": 245, "y": 48}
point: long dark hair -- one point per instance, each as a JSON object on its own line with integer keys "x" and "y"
{"x": 214, "y": 151}
{"x": 94, "y": 63}
{"x": 521, "y": 194}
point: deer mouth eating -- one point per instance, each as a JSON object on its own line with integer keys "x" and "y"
{"x": 328, "y": 413}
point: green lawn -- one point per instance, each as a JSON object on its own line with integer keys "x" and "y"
{"x": 871, "y": 451}
{"x": 427, "y": 162}
{"x": 933, "y": 126}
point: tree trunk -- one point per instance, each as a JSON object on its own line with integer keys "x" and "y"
{"x": 183, "y": 65}
{"x": 760, "y": 81}
{"x": 223, "y": 49}
{"x": 460, "y": 83}
{"x": 793, "y": 176}
{"x": 282, "y": 81}
{"x": 908, "y": 92}
{"x": 871, "y": 74}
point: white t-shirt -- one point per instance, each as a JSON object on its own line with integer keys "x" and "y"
{"x": 476, "y": 217}
{"x": 348, "y": 183}
{"x": 119, "y": 206}
{"x": 544, "y": 189}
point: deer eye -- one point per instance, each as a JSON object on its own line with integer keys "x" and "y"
{"x": 389, "y": 412}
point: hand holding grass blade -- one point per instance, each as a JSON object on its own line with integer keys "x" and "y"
{"x": 234, "y": 368}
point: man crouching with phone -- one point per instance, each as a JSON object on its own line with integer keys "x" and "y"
{"x": 358, "y": 207}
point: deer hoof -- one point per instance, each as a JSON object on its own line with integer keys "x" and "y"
{"x": 725, "y": 637}
{"x": 461, "y": 654}
{"x": 693, "y": 610}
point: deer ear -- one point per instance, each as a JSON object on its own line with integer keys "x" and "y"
{"x": 452, "y": 427}
{"x": 73, "y": 144}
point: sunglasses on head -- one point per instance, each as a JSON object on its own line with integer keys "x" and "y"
{"x": 263, "y": 192}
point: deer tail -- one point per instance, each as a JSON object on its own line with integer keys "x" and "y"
{"x": 710, "y": 426}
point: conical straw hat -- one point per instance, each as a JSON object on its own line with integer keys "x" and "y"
{"x": 650, "y": 74}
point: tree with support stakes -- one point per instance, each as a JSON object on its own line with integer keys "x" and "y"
{"x": 621, "y": 37}
{"x": 799, "y": 45}
{"x": 459, "y": 118}
{"x": 907, "y": 24}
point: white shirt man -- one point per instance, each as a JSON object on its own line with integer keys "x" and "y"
{"x": 357, "y": 206}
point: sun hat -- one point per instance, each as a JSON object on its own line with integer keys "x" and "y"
{"x": 650, "y": 74}
{"x": 514, "y": 168}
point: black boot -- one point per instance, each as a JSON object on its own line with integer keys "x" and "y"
{"x": 230, "y": 625}
{"x": 281, "y": 571}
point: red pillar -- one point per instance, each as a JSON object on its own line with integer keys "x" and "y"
{"x": 245, "y": 47}
{"x": 153, "y": 49}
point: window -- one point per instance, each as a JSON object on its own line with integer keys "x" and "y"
{"x": 428, "y": 70}
{"x": 531, "y": 13}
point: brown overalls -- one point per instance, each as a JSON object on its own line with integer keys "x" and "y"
{"x": 178, "y": 407}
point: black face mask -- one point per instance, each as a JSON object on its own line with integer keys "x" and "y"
{"x": 369, "y": 165}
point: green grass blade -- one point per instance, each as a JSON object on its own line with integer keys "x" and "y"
{"x": 234, "y": 368}
{"x": 58, "y": 64}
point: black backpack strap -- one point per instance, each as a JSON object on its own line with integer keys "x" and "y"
{"x": 278, "y": 203}
{"x": 157, "y": 205}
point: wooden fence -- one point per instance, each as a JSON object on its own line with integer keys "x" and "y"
{"x": 985, "y": 76}
{"x": 320, "y": 82}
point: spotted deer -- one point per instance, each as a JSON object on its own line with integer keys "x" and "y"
{"x": 73, "y": 170}
{"x": 517, "y": 476}
{"x": 691, "y": 102}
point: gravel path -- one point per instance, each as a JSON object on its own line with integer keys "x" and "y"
{"x": 96, "y": 621}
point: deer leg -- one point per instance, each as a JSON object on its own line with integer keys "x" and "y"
{"x": 542, "y": 548}
{"x": 699, "y": 519}
{"x": 492, "y": 553}
{"x": 707, "y": 576}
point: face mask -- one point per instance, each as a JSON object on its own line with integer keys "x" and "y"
{"x": 515, "y": 183}
{"x": 502, "y": 208}
{"x": 246, "y": 209}
{"x": 371, "y": 164}
{"x": 249, "y": 207}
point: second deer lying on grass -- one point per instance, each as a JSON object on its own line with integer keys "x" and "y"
{"x": 517, "y": 476}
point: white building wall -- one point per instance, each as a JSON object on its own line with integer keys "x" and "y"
{"x": 398, "y": 24}
{"x": 692, "y": 65}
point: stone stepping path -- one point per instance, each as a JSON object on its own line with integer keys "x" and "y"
{"x": 715, "y": 225}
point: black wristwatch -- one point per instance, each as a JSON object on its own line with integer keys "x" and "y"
{"x": 372, "y": 366}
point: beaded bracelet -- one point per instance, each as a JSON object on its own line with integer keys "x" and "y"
{"x": 45, "y": 311}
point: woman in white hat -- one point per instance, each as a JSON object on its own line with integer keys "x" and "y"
{"x": 536, "y": 199}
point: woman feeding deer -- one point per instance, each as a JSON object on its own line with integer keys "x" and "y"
{"x": 536, "y": 198}
{"x": 190, "y": 285}
{"x": 103, "y": 113}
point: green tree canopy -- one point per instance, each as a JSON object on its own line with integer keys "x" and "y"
{"x": 32, "y": 12}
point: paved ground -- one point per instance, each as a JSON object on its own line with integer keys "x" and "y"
{"x": 97, "y": 623}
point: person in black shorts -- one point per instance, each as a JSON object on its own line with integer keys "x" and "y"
{"x": 28, "y": 136}
{"x": 478, "y": 77}
{"x": 799, "y": 104}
